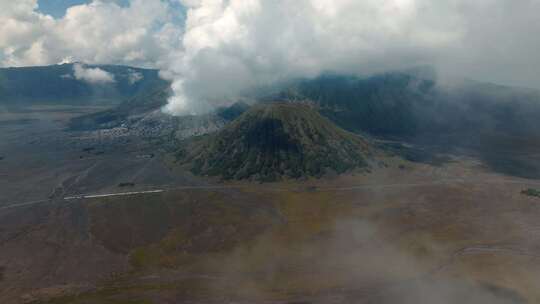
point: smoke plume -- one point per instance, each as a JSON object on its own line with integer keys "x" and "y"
{"x": 232, "y": 46}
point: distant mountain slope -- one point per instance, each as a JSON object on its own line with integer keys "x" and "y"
{"x": 412, "y": 105}
{"x": 379, "y": 105}
{"x": 272, "y": 141}
{"x": 61, "y": 84}
{"x": 499, "y": 124}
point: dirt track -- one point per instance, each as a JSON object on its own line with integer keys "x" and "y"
{"x": 277, "y": 189}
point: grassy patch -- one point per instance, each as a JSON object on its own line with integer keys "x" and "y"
{"x": 178, "y": 230}
{"x": 227, "y": 246}
{"x": 531, "y": 192}
{"x": 413, "y": 154}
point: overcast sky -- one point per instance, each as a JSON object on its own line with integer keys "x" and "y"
{"x": 216, "y": 48}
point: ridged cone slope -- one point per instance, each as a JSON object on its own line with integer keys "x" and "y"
{"x": 275, "y": 141}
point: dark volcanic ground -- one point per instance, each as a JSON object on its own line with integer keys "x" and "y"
{"x": 40, "y": 160}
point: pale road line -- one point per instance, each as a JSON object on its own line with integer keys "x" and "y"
{"x": 70, "y": 198}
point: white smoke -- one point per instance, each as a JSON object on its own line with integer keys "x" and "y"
{"x": 231, "y": 46}
{"x": 92, "y": 75}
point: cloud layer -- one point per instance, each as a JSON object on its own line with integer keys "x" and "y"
{"x": 226, "y": 47}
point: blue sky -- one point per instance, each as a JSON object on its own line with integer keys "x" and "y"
{"x": 57, "y": 8}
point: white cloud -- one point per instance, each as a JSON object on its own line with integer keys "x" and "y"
{"x": 22, "y": 33}
{"x": 99, "y": 32}
{"x": 92, "y": 75}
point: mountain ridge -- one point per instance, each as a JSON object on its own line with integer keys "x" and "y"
{"x": 59, "y": 84}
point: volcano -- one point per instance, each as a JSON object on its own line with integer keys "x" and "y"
{"x": 277, "y": 141}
